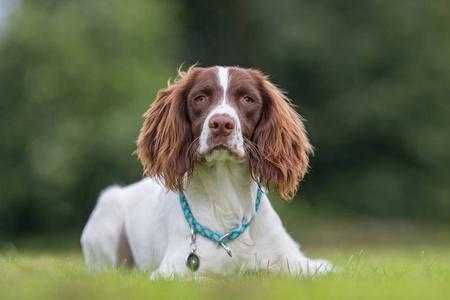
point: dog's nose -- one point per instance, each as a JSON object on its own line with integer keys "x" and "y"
{"x": 221, "y": 125}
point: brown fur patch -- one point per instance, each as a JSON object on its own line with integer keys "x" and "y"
{"x": 281, "y": 140}
{"x": 165, "y": 137}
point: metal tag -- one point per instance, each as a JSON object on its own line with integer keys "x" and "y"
{"x": 193, "y": 262}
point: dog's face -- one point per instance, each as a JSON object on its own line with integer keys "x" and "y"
{"x": 224, "y": 108}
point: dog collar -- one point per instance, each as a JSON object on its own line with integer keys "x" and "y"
{"x": 193, "y": 261}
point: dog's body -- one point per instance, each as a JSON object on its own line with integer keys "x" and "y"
{"x": 143, "y": 224}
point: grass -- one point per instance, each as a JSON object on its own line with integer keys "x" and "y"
{"x": 392, "y": 261}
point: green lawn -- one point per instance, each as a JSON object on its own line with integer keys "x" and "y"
{"x": 404, "y": 262}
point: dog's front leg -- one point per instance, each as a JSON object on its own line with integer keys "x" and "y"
{"x": 294, "y": 262}
{"x": 305, "y": 266}
{"x": 171, "y": 267}
{"x": 285, "y": 256}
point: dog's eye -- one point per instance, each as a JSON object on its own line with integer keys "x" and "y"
{"x": 248, "y": 99}
{"x": 200, "y": 99}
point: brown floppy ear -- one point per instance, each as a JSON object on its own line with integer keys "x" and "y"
{"x": 281, "y": 140}
{"x": 164, "y": 139}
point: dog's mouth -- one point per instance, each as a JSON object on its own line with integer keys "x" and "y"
{"x": 224, "y": 152}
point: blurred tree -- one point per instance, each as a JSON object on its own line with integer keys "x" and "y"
{"x": 75, "y": 78}
{"x": 372, "y": 79}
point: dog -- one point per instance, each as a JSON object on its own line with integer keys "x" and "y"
{"x": 211, "y": 145}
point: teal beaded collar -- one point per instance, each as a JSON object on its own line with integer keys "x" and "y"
{"x": 214, "y": 236}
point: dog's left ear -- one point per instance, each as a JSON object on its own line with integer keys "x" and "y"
{"x": 281, "y": 139}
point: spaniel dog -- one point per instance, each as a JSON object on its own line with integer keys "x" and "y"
{"x": 211, "y": 144}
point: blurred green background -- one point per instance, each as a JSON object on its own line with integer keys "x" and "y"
{"x": 372, "y": 79}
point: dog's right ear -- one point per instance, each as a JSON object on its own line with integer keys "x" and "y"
{"x": 162, "y": 145}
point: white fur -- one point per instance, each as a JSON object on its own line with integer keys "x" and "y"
{"x": 147, "y": 220}
{"x": 236, "y": 141}
{"x": 222, "y": 74}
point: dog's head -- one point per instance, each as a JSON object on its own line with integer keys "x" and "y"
{"x": 224, "y": 108}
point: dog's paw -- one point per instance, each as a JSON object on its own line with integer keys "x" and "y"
{"x": 313, "y": 267}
